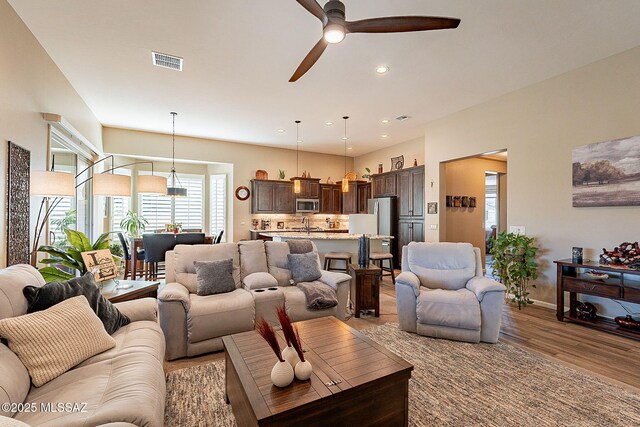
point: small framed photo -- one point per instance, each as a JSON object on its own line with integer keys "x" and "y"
{"x": 280, "y": 225}
{"x": 456, "y": 201}
{"x": 449, "y": 201}
{"x": 432, "y": 207}
{"x": 464, "y": 202}
{"x": 472, "y": 202}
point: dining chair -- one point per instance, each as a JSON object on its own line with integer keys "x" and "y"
{"x": 127, "y": 256}
{"x": 219, "y": 238}
{"x": 156, "y": 246}
{"x": 189, "y": 238}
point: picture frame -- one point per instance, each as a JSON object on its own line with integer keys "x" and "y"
{"x": 472, "y": 202}
{"x": 448, "y": 201}
{"x": 432, "y": 208}
{"x": 101, "y": 264}
{"x": 456, "y": 201}
{"x": 464, "y": 201}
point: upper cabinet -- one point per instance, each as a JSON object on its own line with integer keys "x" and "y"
{"x": 269, "y": 196}
{"x": 309, "y": 188}
{"x": 384, "y": 184}
{"x": 355, "y": 201}
{"x": 410, "y": 186}
{"x": 330, "y": 199}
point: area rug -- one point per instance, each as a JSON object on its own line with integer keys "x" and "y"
{"x": 453, "y": 384}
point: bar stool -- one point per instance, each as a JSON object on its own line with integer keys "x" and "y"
{"x": 378, "y": 258}
{"x": 329, "y": 257}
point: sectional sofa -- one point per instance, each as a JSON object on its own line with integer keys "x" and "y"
{"x": 194, "y": 324}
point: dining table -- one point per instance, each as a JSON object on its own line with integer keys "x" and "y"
{"x": 138, "y": 245}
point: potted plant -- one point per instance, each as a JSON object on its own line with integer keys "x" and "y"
{"x": 70, "y": 256}
{"x": 368, "y": 174}
{"x": 281, "y": 173}
{"x": 514, "y": 264}
{"x": 62, "y": 224}
{"x": 133, "y": 224}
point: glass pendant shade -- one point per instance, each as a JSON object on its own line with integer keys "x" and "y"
{"x": 296, "y": 186}
{"x": 345, "y": 185}
{"x": 152, "y": 184}
{"x": 52, "y": 184}
{"x": 107, "y": 184}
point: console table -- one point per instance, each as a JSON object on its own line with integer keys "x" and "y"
{"x": 572, "y": 279}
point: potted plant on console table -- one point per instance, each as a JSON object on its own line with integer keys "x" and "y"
{"x": 514, "y": 264}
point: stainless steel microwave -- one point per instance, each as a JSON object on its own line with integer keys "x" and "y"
{"x": 308, "y": 205}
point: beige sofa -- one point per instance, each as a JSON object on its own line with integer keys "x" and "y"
{"x": 123, "y": 386}
{"x": 194, "y": 324}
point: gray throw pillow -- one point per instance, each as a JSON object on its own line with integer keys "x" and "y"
{"x": 44, "y": 297}
{"x": 304, "y": 267}
{"x": 214, "y": 277}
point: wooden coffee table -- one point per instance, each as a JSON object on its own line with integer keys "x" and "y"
{"x": 139, "y": 289}
{"x": 354, "y": 382}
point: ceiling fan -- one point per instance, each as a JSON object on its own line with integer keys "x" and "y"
{"x": 336, "y": 27}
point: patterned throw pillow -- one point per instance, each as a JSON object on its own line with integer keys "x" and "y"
{"x": 215, "y": 277}
{"x": 41, "y": 298}
{"x": 304, "y": 267}
{"x": 52, "y": 341}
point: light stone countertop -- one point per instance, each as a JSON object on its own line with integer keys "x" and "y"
{"x": 323, "y": 236}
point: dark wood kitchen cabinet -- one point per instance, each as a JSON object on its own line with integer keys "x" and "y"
{"x": 410, "y": 186}
{"x": 364, "y": 194}
{"x": 269, "y": 196}
{"x": 330, "y": 199}
{"x": 355, "y": 200}
{"x": 410, "y": 231}
{"x": 384, "y": 184}
{"x": 309, "y": 188}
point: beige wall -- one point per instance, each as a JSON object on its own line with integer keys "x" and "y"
{"x": 466, "y": 177}
{"x": 245, "y": 158}
{"x": 540, "y": 125}
{"x": 30, "y": 84}
{"x": 413, "y": 149}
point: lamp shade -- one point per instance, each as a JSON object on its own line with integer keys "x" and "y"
{"x": 107, "y": 184}
{"x": 345, "y": 185}
{"x": 152, "y": 184}
{"x": 52, "y": 184}
{"x": 176, "y": 191}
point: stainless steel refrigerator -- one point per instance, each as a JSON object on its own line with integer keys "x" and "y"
{"x": 386, "y": 208}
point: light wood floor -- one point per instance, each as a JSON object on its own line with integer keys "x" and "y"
{"x": 610, "y": 357}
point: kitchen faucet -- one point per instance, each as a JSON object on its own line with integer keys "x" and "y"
{"x": 307, "y": 226}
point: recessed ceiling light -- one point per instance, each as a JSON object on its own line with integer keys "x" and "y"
{"x": 382, "y": 69}
{"x": 350, "y": 148}
{"x": 300, "y": 141}
{"x": 385, "y": 121}
{"x": 280, "y": 130}
{"x": 344, "y": 138}
{"x": 384, "y": 135}
{"x": 329, "y": 123}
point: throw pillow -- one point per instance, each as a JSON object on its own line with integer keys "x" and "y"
{"x": 259, "y": 280}
{"x": 214, "y": 277}
{"x": 52, "y": 341}
{"x": 304, "y": 267}
{"x": 41, "y": 298}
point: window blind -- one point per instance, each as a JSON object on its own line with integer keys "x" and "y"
{"x": 189, "y": 211}
{"x": 218, "y": 203}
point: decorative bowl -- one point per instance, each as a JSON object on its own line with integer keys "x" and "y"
{"x": 597, "y": 275}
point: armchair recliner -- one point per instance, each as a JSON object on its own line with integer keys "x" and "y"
{"x": 443, "y": 293}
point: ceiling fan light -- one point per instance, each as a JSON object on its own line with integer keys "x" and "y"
{"x": 334, "y": 33}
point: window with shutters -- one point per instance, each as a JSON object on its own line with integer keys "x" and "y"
{"x": 218, "y": 203}
{"x": 162, "y": 210}
{"x": 119, "y": 206}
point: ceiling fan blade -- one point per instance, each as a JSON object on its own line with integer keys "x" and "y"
{"x": 401, "y": 24}
{"x": 310, "y": 59}
{"x": 313, "y": 7}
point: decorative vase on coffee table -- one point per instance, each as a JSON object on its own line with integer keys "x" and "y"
{"x": 282, "y": 374}
{"x": 290, "y": 355}
{"x": 303, "y": 370}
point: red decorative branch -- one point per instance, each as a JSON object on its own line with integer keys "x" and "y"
{"x": 290, "y": 335}
{"x": 266, "y": 331}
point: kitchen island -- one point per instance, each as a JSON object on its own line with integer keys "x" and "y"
{"x": 333, "y": 242}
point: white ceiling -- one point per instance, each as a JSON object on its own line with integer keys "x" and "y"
{"x": 240, "y": 54}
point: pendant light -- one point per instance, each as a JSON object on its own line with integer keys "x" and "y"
{"x": 345, "y": 180}
{"x": 174, "y": 188}
{"x": 296, "y": 182}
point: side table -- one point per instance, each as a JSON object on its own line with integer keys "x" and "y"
{"x": 140, "y": 289}
{"x": 365, "y": 288}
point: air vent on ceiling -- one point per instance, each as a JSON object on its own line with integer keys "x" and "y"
{"x": 167, "y": 61}
{"x": 402, "y": 118}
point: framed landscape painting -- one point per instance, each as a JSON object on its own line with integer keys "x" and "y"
{"x": 607, "y": 173}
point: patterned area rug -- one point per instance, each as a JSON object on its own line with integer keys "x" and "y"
{"x": 453, "y": 384}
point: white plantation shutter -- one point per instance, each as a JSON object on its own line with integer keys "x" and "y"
{"x": 189, "y": 211}
{"x": 66, "y": 204}
{"x": 155, "y": 209}
{"x": 218, "y": 199}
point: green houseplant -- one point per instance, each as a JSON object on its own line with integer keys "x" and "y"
{"x": 70, "y": 256}
{"x": 61, "y": 224}
{"x": 514, "y": 263}
{"x": 281, "y": 173}
{"x": 133, "y": 224}
{"x": 368, "y": 174}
